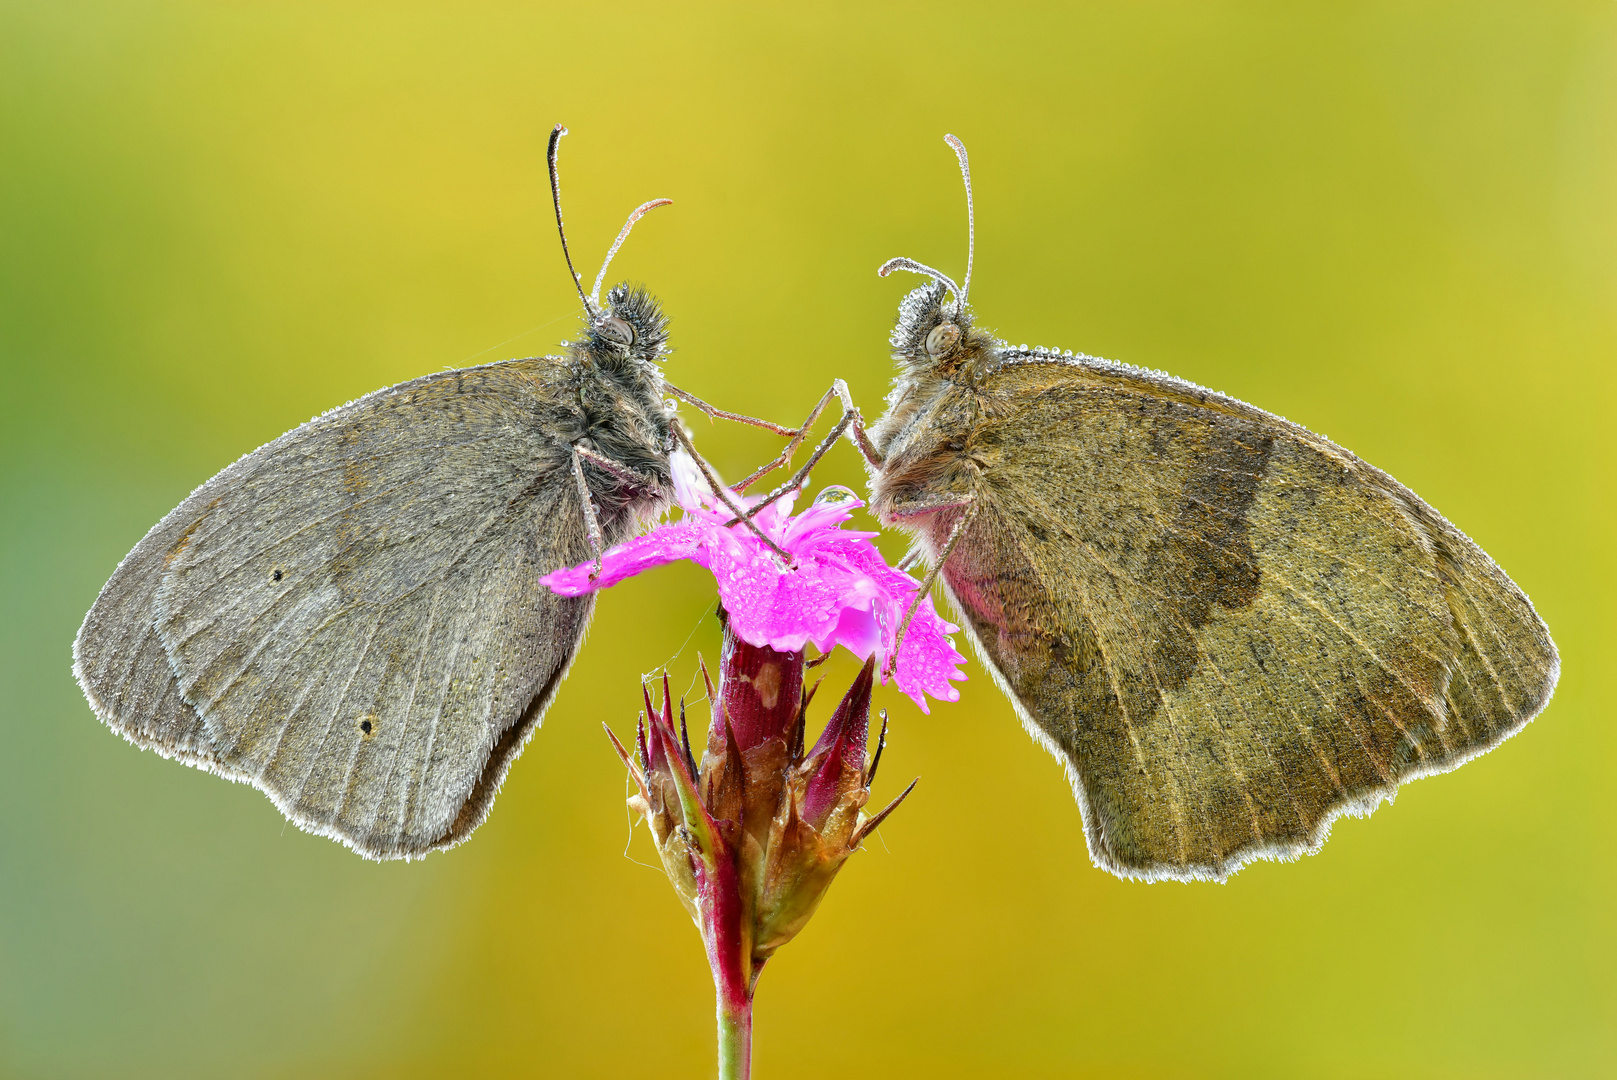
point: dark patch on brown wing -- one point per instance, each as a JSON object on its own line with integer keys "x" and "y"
{"x": 1206, "y": 557}
{"x": 1214, "y": 551}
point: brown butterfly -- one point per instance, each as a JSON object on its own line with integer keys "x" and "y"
{"x": 350, "y": 618}
{"x": 1228, "y": 628}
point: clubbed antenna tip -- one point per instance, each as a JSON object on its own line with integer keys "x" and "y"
{"x": 971, "y": 213}
{"x": 960, "y": 291}
{"x": 902, "y": 263}
{"x": 555, "y": 196}
{"x": 623, "y": 234}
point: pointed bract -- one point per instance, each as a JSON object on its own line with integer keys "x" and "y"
{"x": 753, "y": 837}
{"x": 838, "y": 758}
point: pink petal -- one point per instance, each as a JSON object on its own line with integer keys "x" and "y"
{"x": 840, "y": 591}
{"x": 769, "y": 606}
{"x": 665, "y": 544}
{"x": 690, "y": 486}
{"x": 857, "y": 631}
{"x": 927, "y": 659}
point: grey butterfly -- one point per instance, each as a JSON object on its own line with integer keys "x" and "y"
{"x": 350, "y": 617}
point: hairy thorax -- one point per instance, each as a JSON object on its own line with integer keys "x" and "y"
{"x": 926, "y": 439}
{"x": 622, "y": 417}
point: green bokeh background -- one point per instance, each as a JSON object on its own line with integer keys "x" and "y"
{"x": 1394, "y": 222}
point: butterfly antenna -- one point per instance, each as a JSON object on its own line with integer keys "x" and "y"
{"x": 920, "y": 268}
{"x": 971, "y": 214}
{"x": 641, "y": 211}
{"x": 555, "y": 196}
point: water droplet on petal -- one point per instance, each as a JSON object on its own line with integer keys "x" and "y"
{"x": 835, "y": 495}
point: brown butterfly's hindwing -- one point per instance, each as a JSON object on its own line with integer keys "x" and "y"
{"x": 1230, "y": 629}
{"x": 350, "y": 617}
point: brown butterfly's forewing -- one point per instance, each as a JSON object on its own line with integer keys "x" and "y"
{"x": 1230, "y": 629}
{"x": 350, "y": 617}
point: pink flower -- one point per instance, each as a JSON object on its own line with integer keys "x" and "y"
{"x": 840, "y": 591}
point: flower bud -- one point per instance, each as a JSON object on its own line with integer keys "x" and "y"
{"x": 752, "y": 837}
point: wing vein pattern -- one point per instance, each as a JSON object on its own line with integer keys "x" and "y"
{"x": 1230, "y": 630}
{"x": 361, "y": 551}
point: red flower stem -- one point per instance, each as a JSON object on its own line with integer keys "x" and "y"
{"x": 729, "y": 954}
{"x": 759, "y": 699}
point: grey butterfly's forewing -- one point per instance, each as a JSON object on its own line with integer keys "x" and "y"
{"x": 1229, "y": 628}
{"x": 351, "y": 615}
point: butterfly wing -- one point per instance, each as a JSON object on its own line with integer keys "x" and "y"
{"x": 1230, "y": 629}
{"x": 350, "y": 617}
{"x": 119, "y": 660}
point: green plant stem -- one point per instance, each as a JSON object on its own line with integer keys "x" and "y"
{"x": 735, "y": 1038}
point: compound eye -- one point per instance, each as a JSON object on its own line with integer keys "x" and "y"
{"x": 616, "y": 330}
{"x": 942, "y": 339}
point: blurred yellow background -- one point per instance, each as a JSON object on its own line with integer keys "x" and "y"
{"x": 1394, "y": 222}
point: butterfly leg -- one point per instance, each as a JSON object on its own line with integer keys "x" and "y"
{"x": 937, "y": 567}
{"x": 785, "y": 456}
{"x": 592, "y": 524}
{"x": 871, "y": 455}
{"x": 799, "y": 478}
{"x": 852, "y": 421}
{"x": 726, "y": 498}
{"x": 617, "y": 469}
{"x": 719, "y": 414}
